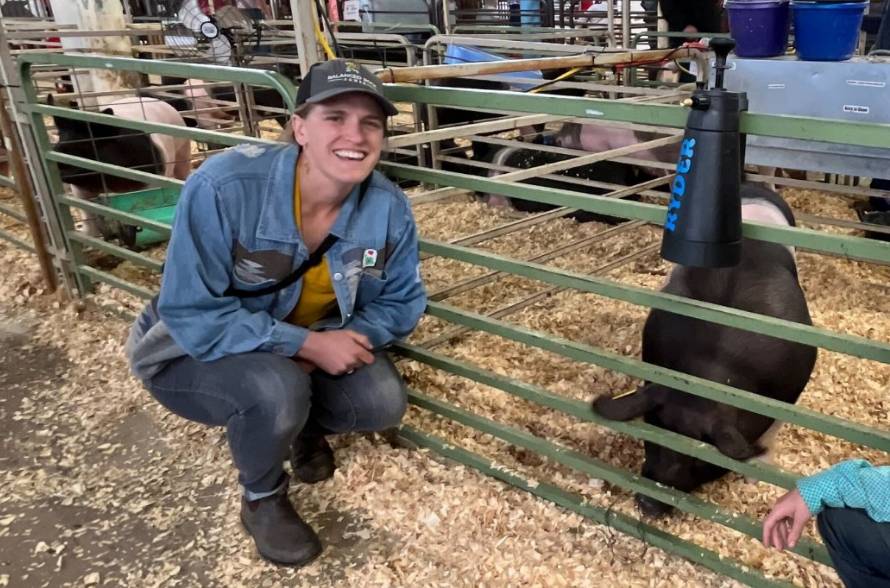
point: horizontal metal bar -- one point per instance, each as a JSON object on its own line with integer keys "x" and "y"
{"x": 822, "y": 186}
{"x": 143, "y": 125}
{"x": 42, "y": 33}
{"x": 715, "y": 313}
{"x": 852, "y": 247}
{"x": 497, "y": 41}
{"x": 538, "y": 218}
{"x": 575, "y": 503}
{"x": 610, "y": 206}
{"x": 583, "y": 411}
{"x": 802, "y": 218}
{"x": 115, "y": 281}
{"x": 769, "y": 125}
{"x": 798, "y": 415}
{"x": 502, "y": 311}
{"x": 254, "y": 77}
{"x": 115, "y": 170}
{"x": 7, "y": 236}
{"x": 14, "y": 213}
{"x": 412, "y": 139}
{"x": 106, "y": 211}
{"x": 7, "y": 182}
{"x": 611, "y": 474}
{"x": 813, "y": 219}
{"x": 578, "y": 244}
{"x": 580, "y": 182}
{"x": 115, "y": 250}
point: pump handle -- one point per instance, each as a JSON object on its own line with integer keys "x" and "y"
{"x": 721, "y": 47}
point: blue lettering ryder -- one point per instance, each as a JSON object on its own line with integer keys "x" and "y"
{"x": 678, "y": 188}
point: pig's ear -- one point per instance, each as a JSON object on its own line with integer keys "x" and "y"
{"x": 106, "y": 131}
{"x": 70, "y": 126}
{"x": 50, "y": 100}
{"x": 630, "y": 406}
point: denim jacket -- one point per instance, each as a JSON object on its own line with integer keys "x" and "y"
{"x": 234, "y": 226}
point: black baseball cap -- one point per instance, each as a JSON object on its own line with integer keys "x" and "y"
{"x": 327, "y": 79}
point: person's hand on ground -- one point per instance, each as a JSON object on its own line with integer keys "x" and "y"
{"x": 785, "y": 523}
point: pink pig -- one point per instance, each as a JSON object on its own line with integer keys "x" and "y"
{"x": 597, "y": 138}
{"x": 147, "y": 152}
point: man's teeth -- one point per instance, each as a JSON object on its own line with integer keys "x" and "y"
{"x": 354, "y": 155}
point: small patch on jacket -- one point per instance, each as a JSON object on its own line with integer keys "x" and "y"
{"x": 250, "y": 150}
{"x": 367, "y": 258}
{"x": 258, "y": 267}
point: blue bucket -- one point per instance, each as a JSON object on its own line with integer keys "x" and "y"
{"x": 827, "y": 31}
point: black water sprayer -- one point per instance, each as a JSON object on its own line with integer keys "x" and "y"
{"x": 703, "y": 226}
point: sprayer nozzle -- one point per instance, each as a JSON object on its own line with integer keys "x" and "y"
{"x": 721, "y": 46}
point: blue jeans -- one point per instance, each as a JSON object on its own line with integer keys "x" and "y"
{"x": 264, "y": 400}
{"x": 859, "y": 547}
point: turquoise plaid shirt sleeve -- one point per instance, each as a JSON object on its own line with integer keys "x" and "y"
{"x": 855, "y": 484}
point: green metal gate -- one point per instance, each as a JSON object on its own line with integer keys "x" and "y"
{"x": 673, "y": 116}
{"x": 75, "y": 241}
{"x": 846, "y": 246}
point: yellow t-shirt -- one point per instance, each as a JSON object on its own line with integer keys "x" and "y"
{"x": 317, "y": 299}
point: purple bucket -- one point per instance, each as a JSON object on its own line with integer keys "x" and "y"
{"x": 759, "y": 28}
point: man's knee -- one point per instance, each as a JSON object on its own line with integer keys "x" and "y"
{"x": 387, "y": 397}
{"x": 393, "y": 402}
{"x": 279, "y": 391}
{"x": 393, "y": 392}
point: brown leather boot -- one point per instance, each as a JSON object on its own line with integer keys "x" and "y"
{"x": 281, "y": 536}
{"x": 312, "y": 459}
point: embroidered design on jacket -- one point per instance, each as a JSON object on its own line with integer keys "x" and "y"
{"x": 250, "y": 150}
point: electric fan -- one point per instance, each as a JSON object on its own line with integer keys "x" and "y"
{"x": 211, "y": 30}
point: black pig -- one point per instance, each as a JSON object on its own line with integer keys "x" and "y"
{"x": 765, "y": 282}
{"x": 148, "y": 152}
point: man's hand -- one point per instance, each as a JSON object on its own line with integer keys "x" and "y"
{"x": 336, "y": 352}
{"x": 784, "y": 525}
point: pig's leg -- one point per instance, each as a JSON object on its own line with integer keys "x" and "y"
{"x": 496, "y": 200}
{"x": 631, "y": 405}
{"x": 86, "y": 222}
{"x": 183, "y": 164}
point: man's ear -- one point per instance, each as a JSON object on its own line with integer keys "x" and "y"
{"x": 299, "y": 127}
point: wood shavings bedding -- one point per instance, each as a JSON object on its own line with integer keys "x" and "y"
{"x": 844, "y": 296}
{"x": 398, "y": 517}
